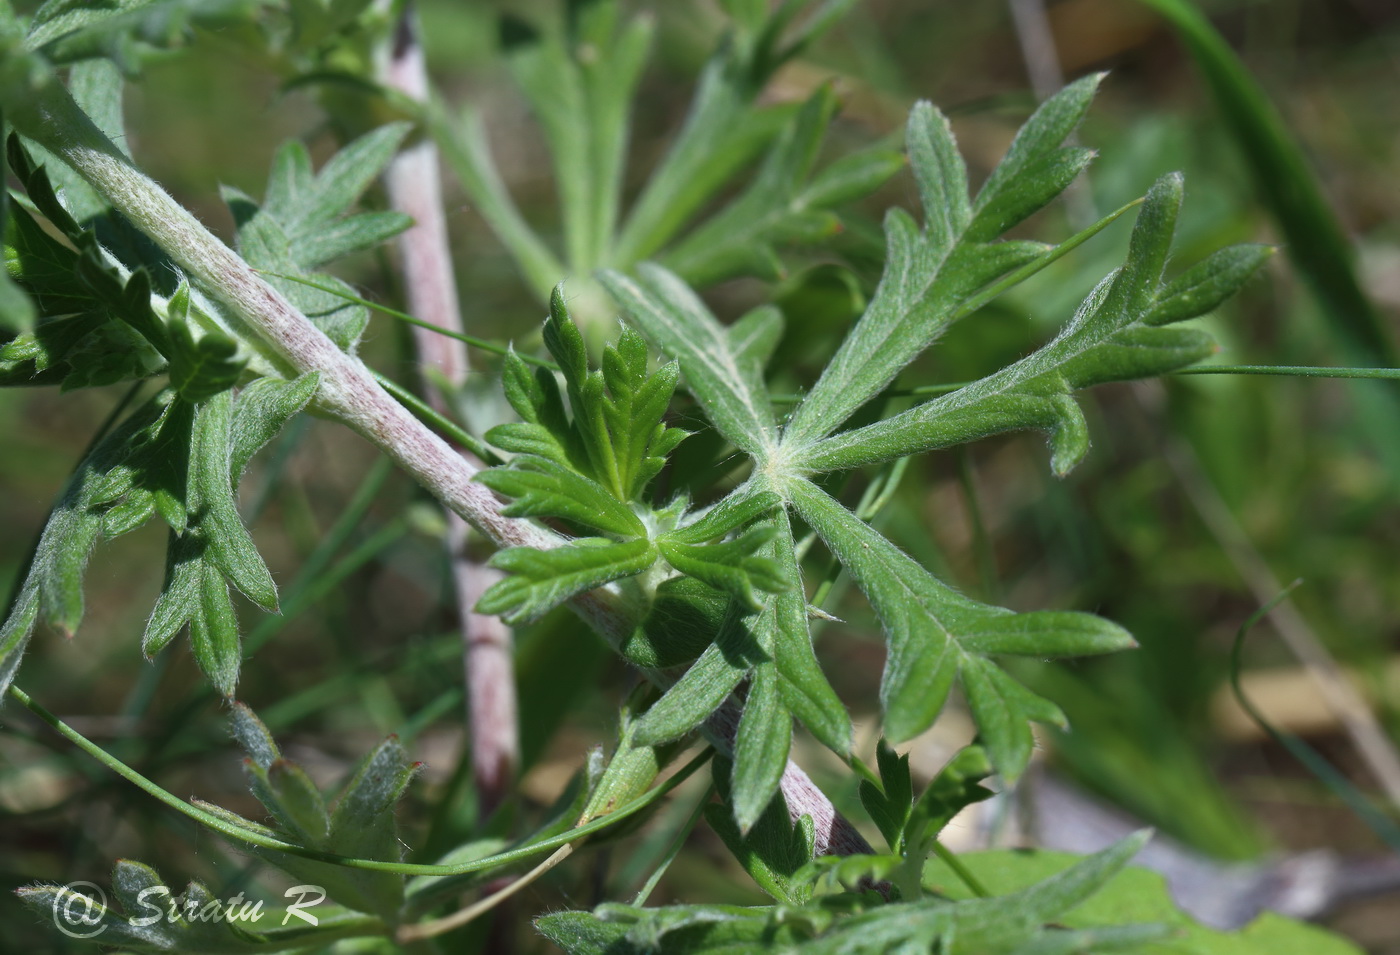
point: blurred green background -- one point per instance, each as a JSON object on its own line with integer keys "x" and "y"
{"x": 368, "y": 646}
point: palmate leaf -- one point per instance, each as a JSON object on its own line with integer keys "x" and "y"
{"x": 721, "y": 133}
{"x": 771, "y": 646}
{"x": 212, "y": 553}
{"x": 732, "y": 565}
{"x": 956, "y": 786}
{"x": 79, "y": 339}
{"x": 1116, "y": 334}
{"x": 52, "y": 590}
{"x": 932, "y": 272}
{"x": 618, "y": 410}
{"x": 708, "y": 682}
{"x": 98, "y": 326}
{"x": 935, "y": 634}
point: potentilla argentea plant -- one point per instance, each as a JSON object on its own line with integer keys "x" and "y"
{"x": 108, "y": 280}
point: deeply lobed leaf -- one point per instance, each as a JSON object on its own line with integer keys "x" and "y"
{"x": 931, "y": 273}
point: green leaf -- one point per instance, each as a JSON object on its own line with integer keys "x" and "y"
{"x": 542, "y": 488}
{"x": 941, "y": 175}
{"x": 1110, "y": 338}
{"x": 1204, "y": 286}
{"x": 956, "y": 786}
{"x": 889, "y": 807}
{"x": 926, "y": 624}
{"x": 778, "y": 205}
{"x": 684, "y": 617}
{"x": 732, "y": 566}
{"x": 545, "y": 431}
{"x": 932, "y": 274}
{"x": 540, "y": 580}
{"x": 52, "y": 590}
{"x": 180, "y": 594}
{"x": 805, "y": 689}
{"x": 304, "y": 223}
{"x": 732, "y": 512}
{"x": 1002, "y": 708}
{"x": 253, "y": 735}
{"x": 201, "y": 369}
{"x": 93, "y": 328}
{"x": 465, "y": 149}
{"x": 214, "y": 632}
{"x": 363, "y": 826}
{"x": 720, "y": 136}
{"x": 632, "y": 411}
{"x": 580, "y": 87}
{"x": 919, "y": 613}
{"x": 618, "y": 436}
{"x": 1034, "y": 169}
{"x": 760, "y": 748}
{"x": 707, "y": 684}
{"x": 229, "y": 546}
{"x": 1021, "y": 634}
{"x": 1030, "y": 191}
{"x": 155, "y": 472}
{"x": 17, "y": 312}
{"x": 755, "y": 336}
{"x": 295, "y": 802}
{"x": 773, "y": 850}
{"x": 728, "y": 385}
{"x": 262, "y": 411}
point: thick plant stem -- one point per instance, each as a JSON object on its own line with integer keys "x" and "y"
{"x": 414, "y": 186}
{"x": 348, "y": 391}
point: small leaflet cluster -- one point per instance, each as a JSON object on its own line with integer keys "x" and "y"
{"x": 588, "y": 469}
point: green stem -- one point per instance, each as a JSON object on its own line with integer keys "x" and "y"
{"x": 444, "y": 424}
{"x": 1293, "y": 371}
{"x": 961, "y": 871}
{"x": 1290, "y": 371}
{"x": 255, "y": 838}
{"x": 481, "y": 343}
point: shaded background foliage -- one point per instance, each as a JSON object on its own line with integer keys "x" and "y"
{"x": 370, "y": 648}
